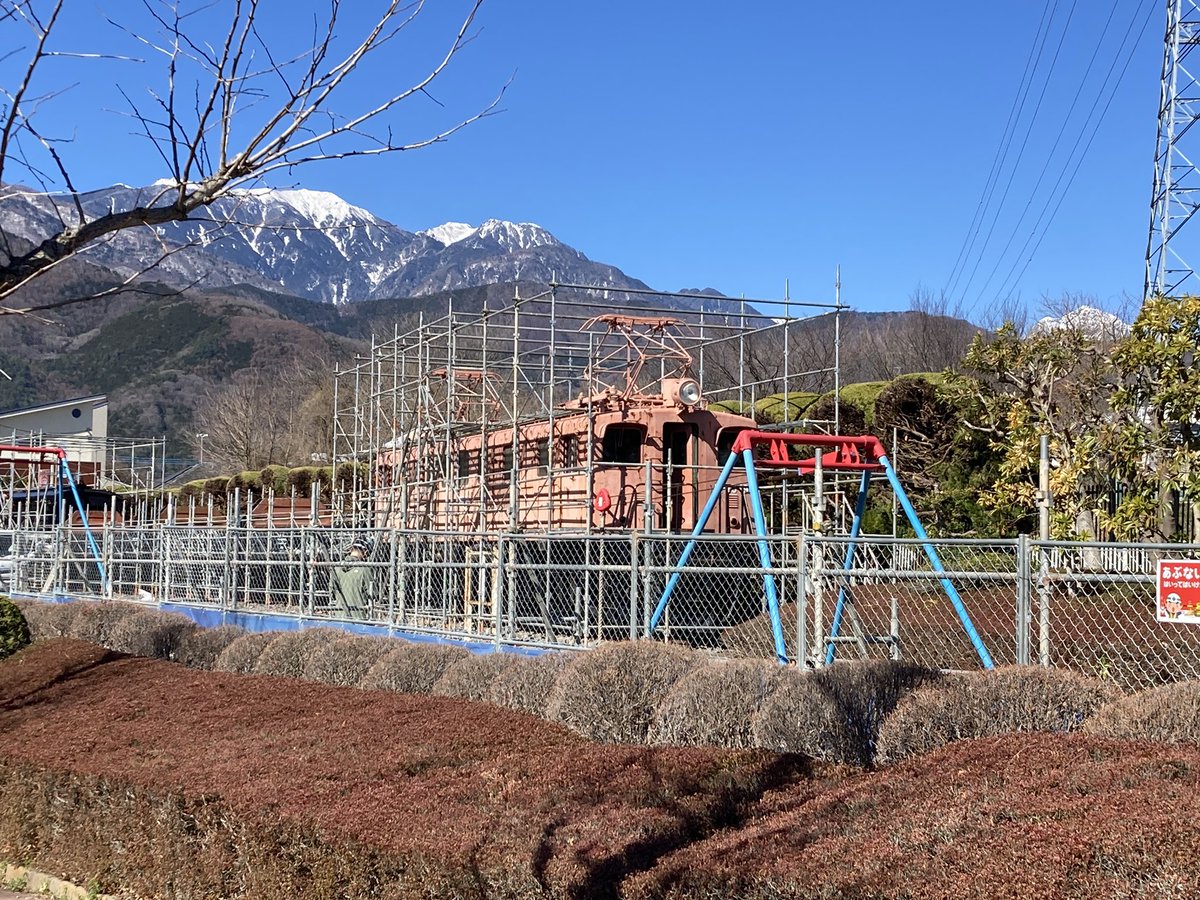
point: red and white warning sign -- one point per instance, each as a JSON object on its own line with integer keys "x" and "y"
{"x": 1178, "y": 590}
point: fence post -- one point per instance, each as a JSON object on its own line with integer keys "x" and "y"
{"x": 162, "y": 559}
{"x": 227, "y": 580}
{"x": 634, "y": 551}
{"x": 1043, "y": 605}
{"x": 497, "y": 590}
{"x": 1024, "y": 595}
{"x": 802, "y": 605}
{"x": 402, "y": 584}
{"x": 393, "y": 570}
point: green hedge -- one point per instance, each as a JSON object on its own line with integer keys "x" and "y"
{"x": 14, "y": 630}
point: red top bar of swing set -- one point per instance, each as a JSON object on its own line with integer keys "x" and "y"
{"x": 57, "y": 452}
{"x": 860, "y": 453}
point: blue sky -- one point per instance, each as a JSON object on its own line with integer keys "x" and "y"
{"x": 742, "y": 146}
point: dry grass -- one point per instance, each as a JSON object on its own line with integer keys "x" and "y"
{"x": 985, "y": 704}
{"x": 287, "y": 654}
{"x": 241, "y": 656}
{"x": 411, "y": 668}
{"x": 526, "y": 684}
{"x": 714, "y": 704}
{"x": 199, "y": 649}
{"x": 611, "y": 693}
{"x": 472, "y": 676}
{"x": 151, "y": 633}
{"x": 346, "y": 660}
{"x": 1169, "y": 714}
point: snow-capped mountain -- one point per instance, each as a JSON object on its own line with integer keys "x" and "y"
{"x": 1091, "y": 322}
{"x": 310, "y": 243}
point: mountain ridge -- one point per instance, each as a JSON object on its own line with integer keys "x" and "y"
{"x": 313, "y": 244}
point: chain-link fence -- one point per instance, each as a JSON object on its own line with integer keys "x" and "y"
{"x": 942, "y": 603}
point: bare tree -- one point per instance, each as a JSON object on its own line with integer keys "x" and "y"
{"x": 260, "y": 417}
{"x": 234, "y": 106}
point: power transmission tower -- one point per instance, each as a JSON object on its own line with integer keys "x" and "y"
{"x": 1176, "y": 196}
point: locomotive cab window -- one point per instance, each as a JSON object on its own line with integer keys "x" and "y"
{"x": 725, "y": 441}
{"x": 623, "y": 443}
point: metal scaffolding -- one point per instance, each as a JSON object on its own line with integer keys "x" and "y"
{"x": 475, "y": 377}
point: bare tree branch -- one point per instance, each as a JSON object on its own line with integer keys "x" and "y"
{"x": 214, "y": 96}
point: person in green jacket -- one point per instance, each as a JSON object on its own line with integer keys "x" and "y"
{"x": 350, "y": 586}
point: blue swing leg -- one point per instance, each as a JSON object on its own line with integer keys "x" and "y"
{"x": 764, "y": 557}
{"x": 661, "y": 608}
{"x": 931, "y": 554}
{"x": 65, "y": 475}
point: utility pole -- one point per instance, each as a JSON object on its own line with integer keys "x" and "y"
{"x": 1175, "y": 197}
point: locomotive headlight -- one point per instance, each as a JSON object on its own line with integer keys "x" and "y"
{"x": 689, "y": 392}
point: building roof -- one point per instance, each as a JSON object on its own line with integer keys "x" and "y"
{"x": 46, "y": 407}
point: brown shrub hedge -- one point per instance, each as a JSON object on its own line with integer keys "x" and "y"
{"x": 865, "y": 693}
{"x": 96, "y": 621}
{"x": 411, "y": 668}
{"x": 151, "y": 633}
{"x": 216, "y": 785}
{"x": 345, "y": 660}
{"x": 241, "y": 656}
{"x": 1168, "y": 714}
{"x": 526, "y": 684}
{"x": 713, "y": 705}
{"x": 799, "y": 716}
{"x": 288, "y": 652}
{"x": 472, "y": 676}
{"x": 1017, "y": 816}
{"x": 199, "y": 649}
{"x": 610, "y": 693}
{"x": 47, "y": 620}
{"x": 983, "y": 704}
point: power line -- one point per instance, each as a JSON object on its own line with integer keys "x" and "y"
{"x": 1002, "y": 146}
{"x": 1079, "y": 163}
{"x": 1033, "y": 194}
{"x": 1024, "y": 144}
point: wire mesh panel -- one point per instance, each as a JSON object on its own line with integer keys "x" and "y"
{"x": 720, "y": 601}
{"x": 34, "y": 561}
{"x": 1097, "y": 606}
{"x": 1088, "y": 607}
{"x": 134, "y": 558}
{"x": 197, "y": 564}
{"x": 904, "y": 608}
{"x": 569, "y": 589}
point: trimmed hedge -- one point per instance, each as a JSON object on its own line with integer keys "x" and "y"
{"x": 865, "y": 694}
{"x": 611, "y": 693}
{"x": 411, "y": 668}
{"x": 14, "y": 630}
{"x": 288, "y": 652}
{"x": 799, "y": 716}
{"x": 241, "y": 656}
{"x": 526, "y": 685}
{"x": 345, "y": 660}
{"x": 97, "y": 621}
{"x": 151, "y": 633}
{"x": 714, "y": 704}
{"x": 200, "y": 649}
{"x": 472, "y": 676}
{"x": 47, "y": 620}
{"x": 985, "y": 704}
{"x": 1168, "y": 714}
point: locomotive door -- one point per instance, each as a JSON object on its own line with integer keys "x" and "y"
{"x": 679, "y": 475}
